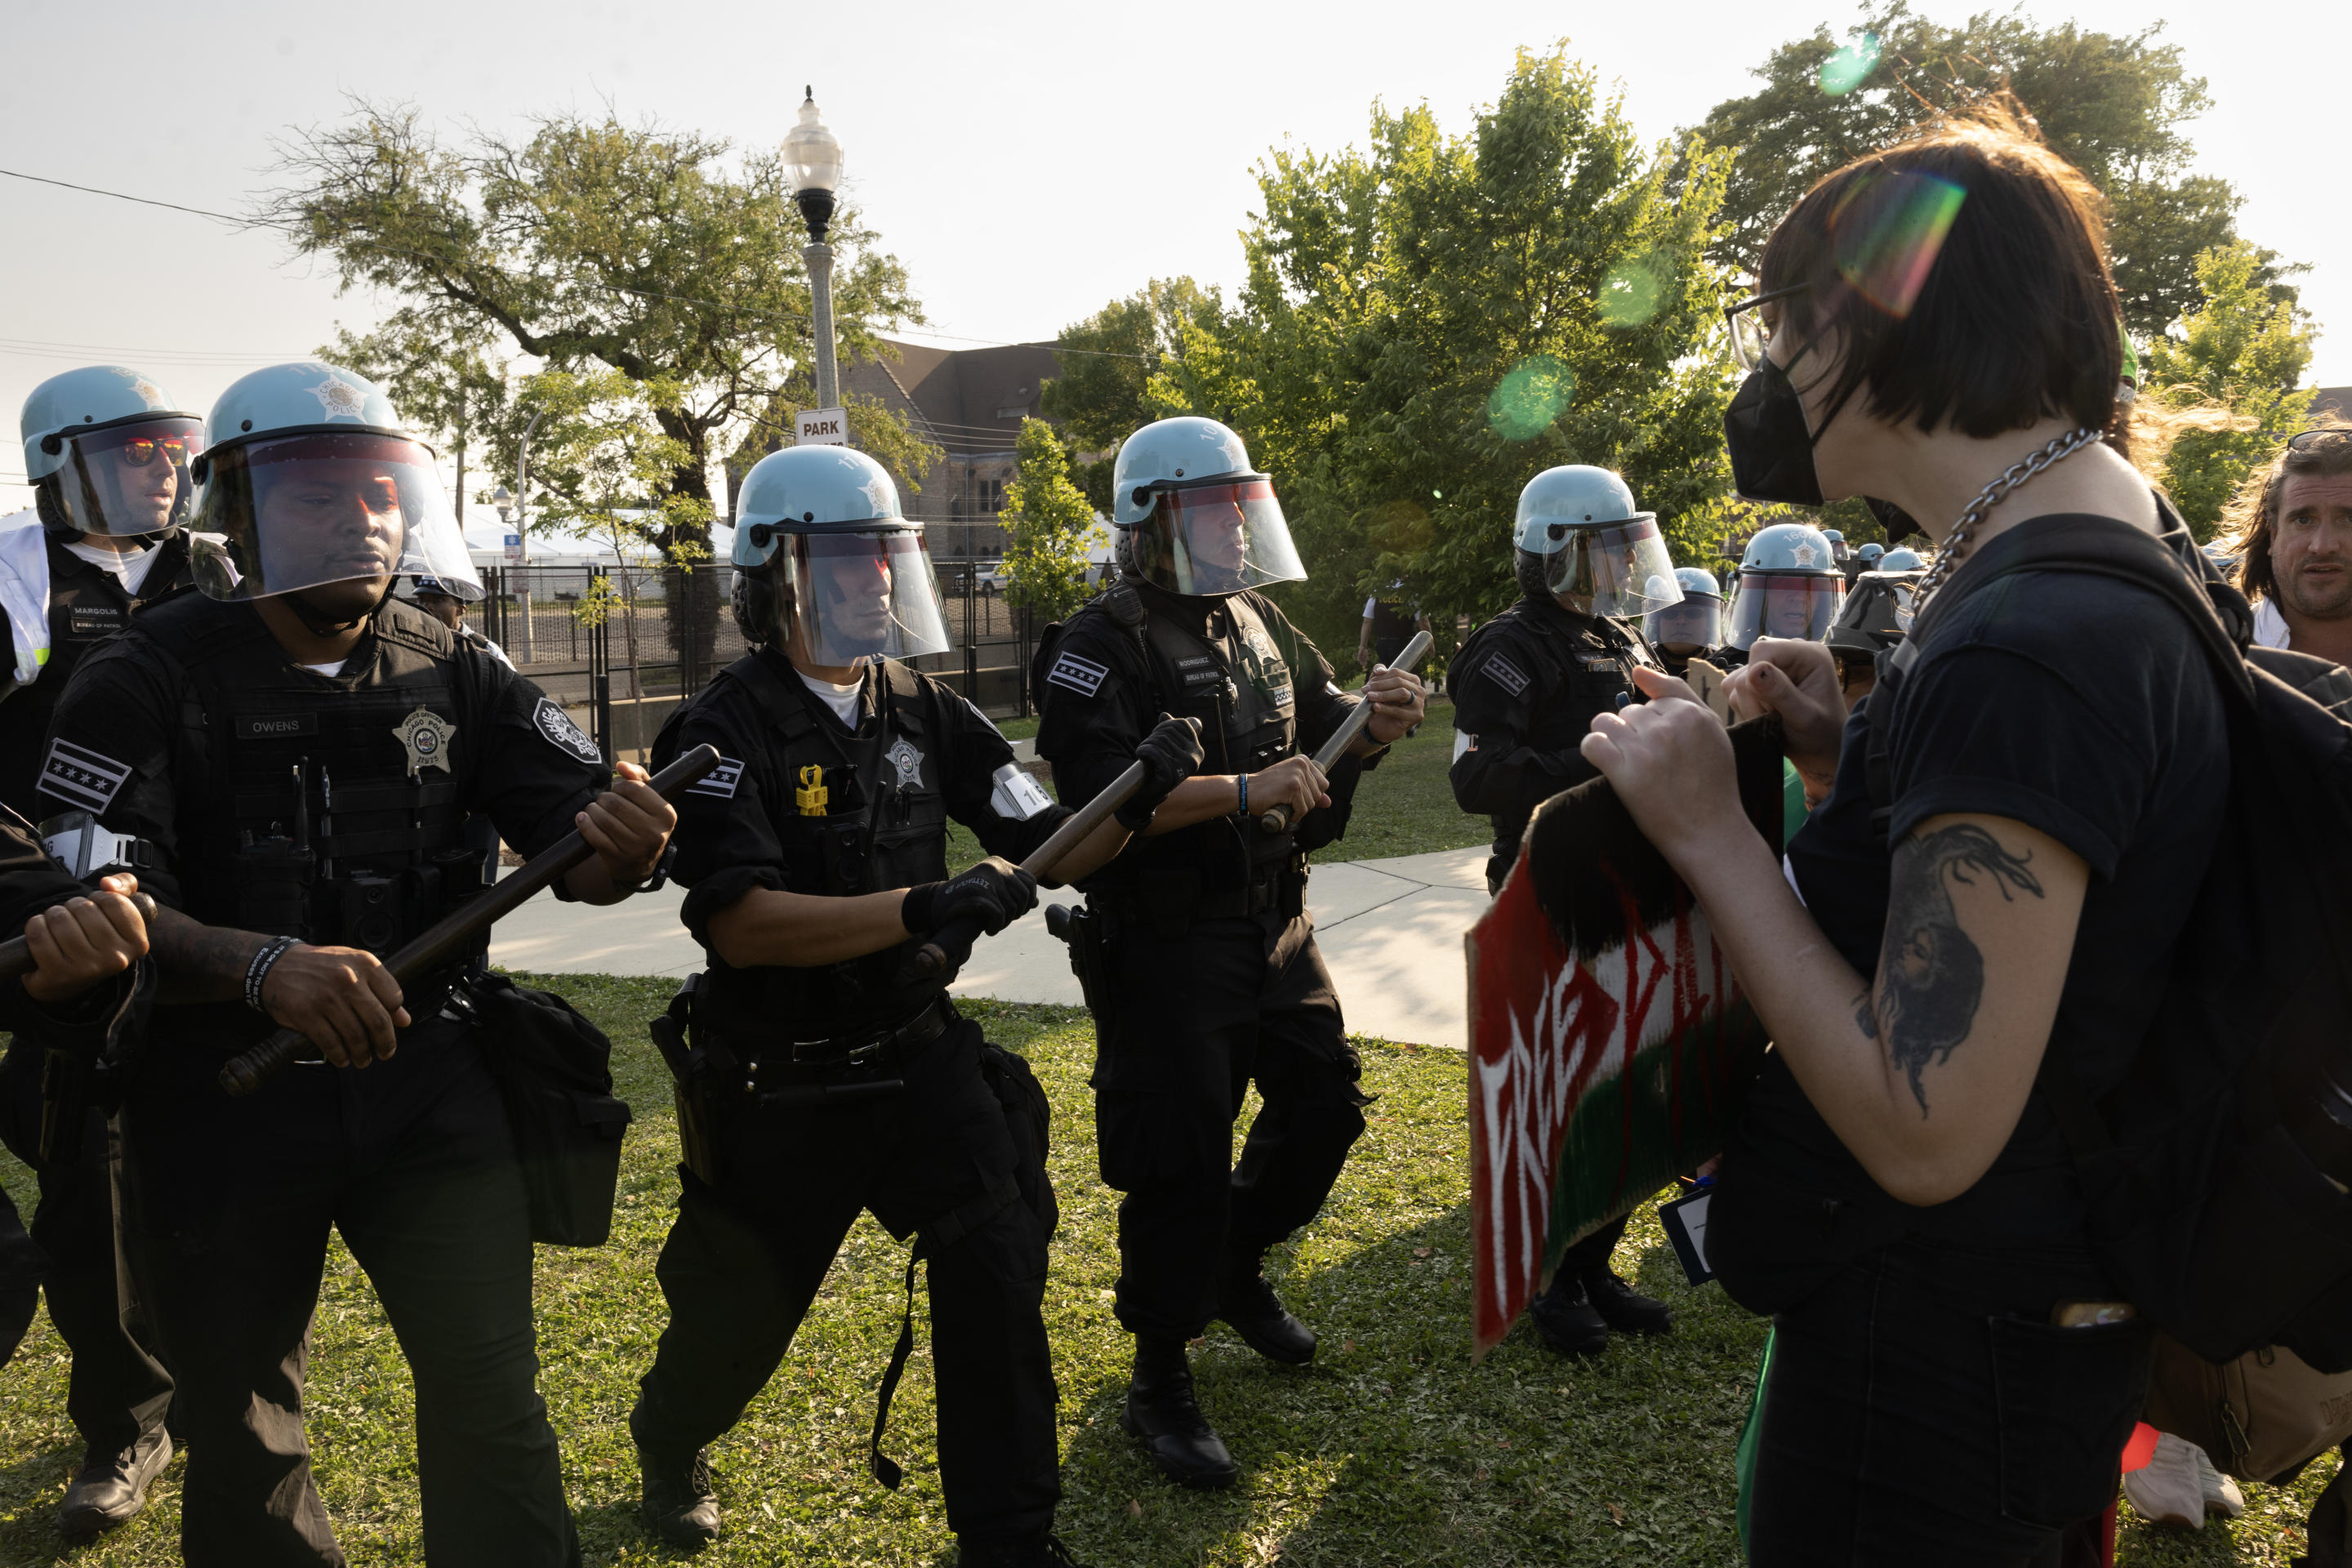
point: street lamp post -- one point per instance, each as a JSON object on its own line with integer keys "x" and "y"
{"x": 813, "y": 155}
{"x": 519, "y": 502}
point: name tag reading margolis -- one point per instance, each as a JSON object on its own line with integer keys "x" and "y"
{"x": 1016, "y": 796}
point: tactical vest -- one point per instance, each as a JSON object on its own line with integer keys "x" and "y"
{"x": 1243, "y": 691}
{"x": 866, "y": 813}
{"x": 333, "y": 817}
{"x": 85, "y": 607}
{"x": 1589, "y": 663}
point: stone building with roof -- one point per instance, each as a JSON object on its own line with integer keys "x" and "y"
{"x": 969, "y": 402}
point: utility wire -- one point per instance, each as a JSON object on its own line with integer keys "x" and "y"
{"x": 592, "y": 283}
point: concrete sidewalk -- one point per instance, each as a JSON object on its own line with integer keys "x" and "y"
{"x": 1389, "y": 930}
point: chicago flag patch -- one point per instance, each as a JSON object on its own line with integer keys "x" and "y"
{"x": 87, "y": 778}
{"x": 1507, "y": 676}
{"x": 1082, "y": 676}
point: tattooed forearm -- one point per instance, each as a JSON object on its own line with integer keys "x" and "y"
{"x": 1930, "y": 975}
{"x": 197, "y": 962}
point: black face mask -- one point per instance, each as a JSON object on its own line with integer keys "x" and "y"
{"x": 1771, "y": 449}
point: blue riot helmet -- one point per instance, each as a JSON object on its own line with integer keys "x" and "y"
{"x": 1192, "y": 516}
{"x": 1900, "y": 558}
{"x": 1577, "y": 533}
{"x": 1694, "y": 624}
{"x": 312, "y": 480}
{"x": 1788, "y": 586}
{"x": 827, "y": 566}
{"x": 107, "y": 452}
{"x": 1870, "y": 554}
{"x": 1838, "y": 552}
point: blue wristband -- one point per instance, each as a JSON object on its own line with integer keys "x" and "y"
{"x": 1241, "y": 781}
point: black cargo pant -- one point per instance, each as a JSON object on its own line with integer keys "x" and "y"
{"x": 227, "y": 1204}
{"x": 744, "y": 1260}
{"x": 1198, "y": 1017}
{"x": 118, "y": 1389}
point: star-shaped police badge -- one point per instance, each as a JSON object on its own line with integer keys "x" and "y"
{"x": 908, "y": 761}
{"x": 338, "y": 397}
{"x": 1805, "y": 555}
{"x": 149, "y": 392}
{"x": 426, "y": 736}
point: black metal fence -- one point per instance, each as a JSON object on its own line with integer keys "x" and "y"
{"x": 659, "y": 636}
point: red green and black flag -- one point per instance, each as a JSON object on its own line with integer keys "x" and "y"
{"x": 1610, "y": 1046}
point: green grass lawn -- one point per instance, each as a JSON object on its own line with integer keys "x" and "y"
{"x": 1391, "y": 1449}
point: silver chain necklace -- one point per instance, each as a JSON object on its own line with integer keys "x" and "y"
{"x": 1957, "y": 543}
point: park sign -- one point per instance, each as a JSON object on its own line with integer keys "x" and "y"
{"x": 1611, "y": 1046}
{"x": 823, "y": 427}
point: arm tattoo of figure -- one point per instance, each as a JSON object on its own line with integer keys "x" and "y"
{"x": 1930, "y": 975}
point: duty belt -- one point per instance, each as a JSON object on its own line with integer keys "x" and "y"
{"x": 869, "y": 1051}
{"x": 1269, "y": 891}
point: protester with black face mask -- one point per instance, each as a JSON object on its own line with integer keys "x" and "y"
{"x": 1953, "y": 1375}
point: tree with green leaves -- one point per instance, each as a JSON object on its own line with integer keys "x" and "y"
{"x": 2113, "y": 105}
{"x": 1103, "y": 394}
{"x": 1050, "y": 525}
{"x": 607, "y": 471}
{"x": 661, "y": 255}
{"x": 1429, "y": 324}
{"x": 2240, "y": 350}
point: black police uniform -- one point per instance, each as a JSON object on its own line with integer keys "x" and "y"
{"x": 1213, "y": 978}
{"x": 1678, "y": 663}
{"x": 29, "y": 882}
{"x": 805, "y": 805}
{"x": 278, "y": 799}
{"x": 1527, "y": 686}
{"x": 119, "y": 1390}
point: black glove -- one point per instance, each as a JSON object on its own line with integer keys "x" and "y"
{"x": 1170, "y": 755}
{"x": 995, "y": 893}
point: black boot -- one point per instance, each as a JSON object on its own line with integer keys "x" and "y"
{"x": 1161, "y": 1411}
{"x": 1038, "y": 1552}
{"x": 679, "y": 1505}
{"x": 1246, "y": 1304}
{"x": 1565, "y": 1317}
{"x": 111, "y": 1488}
{"x": 1623, "y": 1309}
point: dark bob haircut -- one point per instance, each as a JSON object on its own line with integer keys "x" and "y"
{"x": 1963, "y": 276}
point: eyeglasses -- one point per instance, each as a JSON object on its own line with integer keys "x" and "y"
{"x": 2309, "y": 440}
{"x": 1752, "y": 334}
{"x": 142, "y": 450}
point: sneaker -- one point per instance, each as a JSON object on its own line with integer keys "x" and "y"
{"x": 2167, "y": 1489}
{"x": 2221, "y": 1493}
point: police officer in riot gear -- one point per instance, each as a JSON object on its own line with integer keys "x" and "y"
{"x": 825, "y": 1074}
{"x": 1527, "y": 686}
{"x": 437, "y": 599}
{"x": 1680, "y": 632}
{"x": 1790, "y": 586}
{"x": 107, "y": 452}
{"x": 294, "y": 753}
{"x": 1875, "y": 615}
{"x": 1202, "y": 968}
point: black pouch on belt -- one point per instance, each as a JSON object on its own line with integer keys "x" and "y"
{"x": 553, "y": 1068}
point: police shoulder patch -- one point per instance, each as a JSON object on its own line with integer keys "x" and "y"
{"x": 1082, "y": 676}
{"x": 1508, "y": 674}
{"x": 553, "y": 723}
{"x": 719, "y": 781}
{"x": 85, "y": 778}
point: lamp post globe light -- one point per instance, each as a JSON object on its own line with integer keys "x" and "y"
{"x": 813, "y": 155}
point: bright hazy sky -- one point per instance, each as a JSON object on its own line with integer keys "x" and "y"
{"x": 1027, "y": 163}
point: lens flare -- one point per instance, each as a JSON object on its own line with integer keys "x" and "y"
{"x": 1531, "y": 397}
{"x": 1888, "y": 232}
{"x": 1844, "y": 70}
{"x": 1628, "y": 295}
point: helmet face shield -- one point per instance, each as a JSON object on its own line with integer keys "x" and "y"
{"x": 299, "y": 512}
{"x": 1613, "y": 569}
{"x": 129, "y": 479}
{"x": 1216, "y": 538}
{"x": 1696, "y": 622}
{"x": 842, "y": 597}
{"x": 1783, "y": 605}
